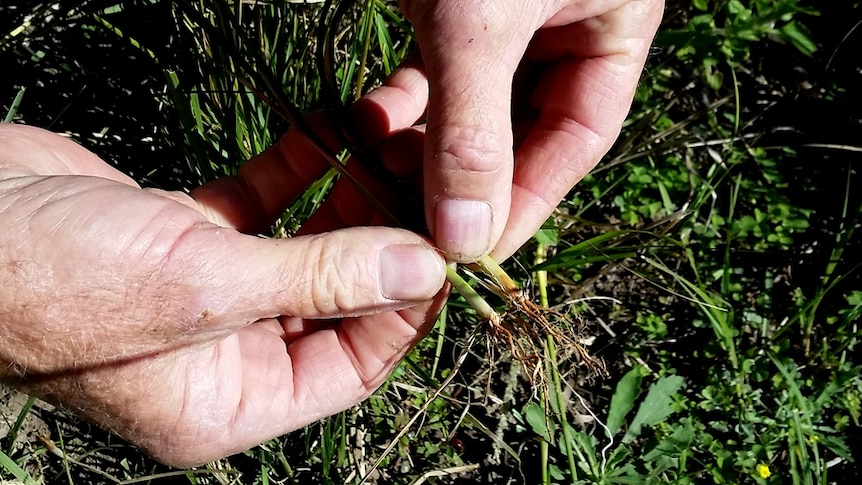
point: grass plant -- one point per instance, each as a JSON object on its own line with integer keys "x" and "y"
{"x": 688, "y": 315}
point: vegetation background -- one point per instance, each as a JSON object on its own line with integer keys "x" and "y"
{"x": 712, "y": 260}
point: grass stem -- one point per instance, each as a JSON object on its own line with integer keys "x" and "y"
{"x": 471, "y": 295}
{"x": 542, "y": 283}
{"x": 492, "y": 268}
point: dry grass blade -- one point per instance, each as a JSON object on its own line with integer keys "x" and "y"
{"x": 421, "y": 411}
{"x": 445, "y": 472}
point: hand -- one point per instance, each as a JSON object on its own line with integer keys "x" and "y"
{"x": 491, "y": 180}
{"x": 152, "y": 314}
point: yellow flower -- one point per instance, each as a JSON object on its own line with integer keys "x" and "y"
{"x": 763, "y": 471}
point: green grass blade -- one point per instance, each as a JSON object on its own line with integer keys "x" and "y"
{"x": 13, "y": 432}
{"x": 131, "y": 40}
{"x": 16, "y": 103}
{"x": 13, "y": 468}
{"x": 718, "y": 314}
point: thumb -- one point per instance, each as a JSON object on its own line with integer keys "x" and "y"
{"x": 341, "y": 273}
{"x": 471, "y": 51}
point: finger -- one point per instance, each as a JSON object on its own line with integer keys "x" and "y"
{"x": 231, "y": 279}
{"x": 401, "y": 153}
{"x": 346, "y": 206}
{"x": 579, "y": 122}
{"x": 357, "y": 357}
{"x": 320, "y": 374}
{"x": 383, "y": 119}
{"x": 266, "y": 184}
{"x": 471, "y": 51}
{"x": 397, "y": 104}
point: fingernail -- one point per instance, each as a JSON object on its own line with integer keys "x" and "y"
{"x": 412, "y": 272}
{"x": 462, "y": 228}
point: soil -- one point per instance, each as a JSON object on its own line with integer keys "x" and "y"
{"x": 12, "y": 403}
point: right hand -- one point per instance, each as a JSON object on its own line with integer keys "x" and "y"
{"x": 561, "y": 73}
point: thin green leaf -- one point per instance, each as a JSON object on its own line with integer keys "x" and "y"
{"x": 8, "y": 464}
{"x": 12, "y": 436}
{"x": 13, "y": 110}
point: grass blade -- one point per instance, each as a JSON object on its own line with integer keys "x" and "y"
{"x": 10, "y": 466}
{"x": 13, "y": 432}
{"x": 16, "y": 103}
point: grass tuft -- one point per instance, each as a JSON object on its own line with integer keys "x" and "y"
{"x": 707, "y": 270}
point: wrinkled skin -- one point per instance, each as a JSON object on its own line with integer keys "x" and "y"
{"x": 156, "y": 315}
{"x": 577, "y": 63}
{"x": 152, "y": 314}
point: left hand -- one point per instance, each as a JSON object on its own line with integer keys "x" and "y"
{"x": 152, "y": 313}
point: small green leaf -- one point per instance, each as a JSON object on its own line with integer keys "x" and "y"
{"x": 624, "y": 398}
{"x": 656, "y": 406}
{"x": 547, "y": 236}
{"x": 714, "y": 77}
{"x": 674, "y": 444}
{"x": 800, "y": 39}
{"x": 556, "y": 473}
{"x": 538, "y": 421}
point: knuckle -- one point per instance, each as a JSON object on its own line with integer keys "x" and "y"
{"x": 339, "y": 282}
{"x": 481, "y": 152}
{"x": 476, "y": 18}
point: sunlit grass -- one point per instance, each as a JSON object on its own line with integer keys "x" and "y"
{"x": 716, "y": 368}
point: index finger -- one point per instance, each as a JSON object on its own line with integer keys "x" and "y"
{"x": 471, "y": 52}
{"x": 264, "y": 186}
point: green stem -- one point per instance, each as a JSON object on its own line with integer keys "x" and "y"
{"x": 441, "y": 339}
{"x": 363, "y": 59}
{"x": 492, "y": 268}
{"x": 469, "y": 293}
{"x": 568, "y": 440}
{"x": 551, "y": 351}
{"x": 542, "y": 281}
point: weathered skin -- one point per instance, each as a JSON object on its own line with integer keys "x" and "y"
{"x": 154, "y": 314}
